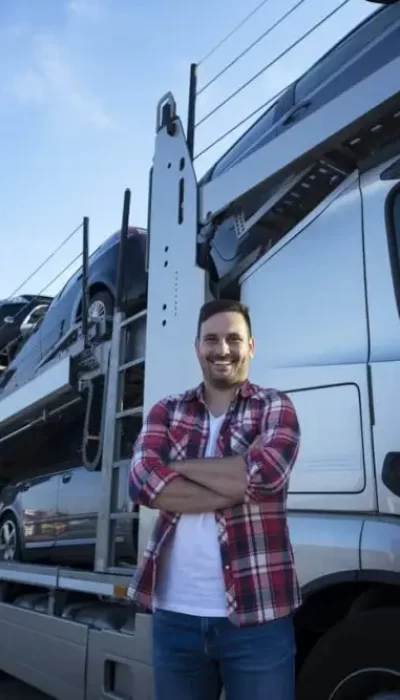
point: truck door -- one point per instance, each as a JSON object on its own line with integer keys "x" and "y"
{"x": 381, "y": 206}
{"x": 307, "y": 299}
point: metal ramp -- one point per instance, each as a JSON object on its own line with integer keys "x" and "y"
{"x": 50, "y": 386}
{"x": 56, "y": 386}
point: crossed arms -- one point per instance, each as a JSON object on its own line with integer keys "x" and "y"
{"x": 205, "y": 485}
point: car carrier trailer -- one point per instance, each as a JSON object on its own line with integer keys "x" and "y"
{"x": 324, "y": 298}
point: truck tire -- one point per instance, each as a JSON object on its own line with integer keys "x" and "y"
{"x": 358, "y": 659}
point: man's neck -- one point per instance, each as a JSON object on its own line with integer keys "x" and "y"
{"x": 218, "y": 400}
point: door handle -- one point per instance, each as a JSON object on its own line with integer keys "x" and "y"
{"x": 66, "y": 477}
{"x": 294, "y": 112}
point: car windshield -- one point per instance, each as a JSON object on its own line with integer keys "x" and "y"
{"x": 10, "y": 308}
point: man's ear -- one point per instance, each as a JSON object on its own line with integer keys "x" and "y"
{"x": 252, "y": 346}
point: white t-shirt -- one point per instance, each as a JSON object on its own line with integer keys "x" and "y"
{"x": 191, "y": 579}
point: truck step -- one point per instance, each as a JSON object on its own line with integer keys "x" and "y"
{"x": 67, "y": 579}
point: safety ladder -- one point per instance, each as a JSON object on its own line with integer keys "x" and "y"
{"x": 123, "y": 415}
{"x": 122, "y": 423}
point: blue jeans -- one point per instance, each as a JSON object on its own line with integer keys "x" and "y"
{"x": 194, "y": 657}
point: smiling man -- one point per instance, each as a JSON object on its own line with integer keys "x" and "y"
{"x": 218, "y": 572}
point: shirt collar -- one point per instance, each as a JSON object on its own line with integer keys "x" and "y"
{"x": 245, "y": 391}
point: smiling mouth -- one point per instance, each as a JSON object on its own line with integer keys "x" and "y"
{"x": 222, "y": 364}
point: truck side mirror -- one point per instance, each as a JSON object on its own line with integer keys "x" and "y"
{"x": 391, "y": 472}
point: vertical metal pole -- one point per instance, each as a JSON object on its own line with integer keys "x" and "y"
{"x": 104, "y": 547}
{"x": 122, "y": 249}
{"x": 149, "y": 220}
{"x": 192, "y": 109}
{"x": 85, "y": 279}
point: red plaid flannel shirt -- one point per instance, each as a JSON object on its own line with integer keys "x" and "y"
{"x": 257, "y": 557}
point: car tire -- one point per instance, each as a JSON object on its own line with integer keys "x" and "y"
{"x": 103, "y": 303}
{"x": 358, "y": 659}
{"x": 10, "y": 537}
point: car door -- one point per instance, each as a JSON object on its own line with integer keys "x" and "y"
{"x": 78, "y": 505}
{"x": 368, "y": 47}
{"x": 263, "y": 130}
{"x": 57, "y": 320}
{"x": 38, "y": 499}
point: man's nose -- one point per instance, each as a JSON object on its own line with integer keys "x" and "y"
{"x": 223, "y": 347}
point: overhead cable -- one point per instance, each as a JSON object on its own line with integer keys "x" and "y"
{"x": 232, "y": 32}
{"x": 252, "y": 45}
{"x": 271, "y": 63}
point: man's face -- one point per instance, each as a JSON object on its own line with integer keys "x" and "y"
{"x": 224, "y": 350}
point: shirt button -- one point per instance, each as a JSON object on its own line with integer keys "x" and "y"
{"x": 227, "y": 567}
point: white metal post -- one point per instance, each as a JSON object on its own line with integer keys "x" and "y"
{"x": 176, "y": 287}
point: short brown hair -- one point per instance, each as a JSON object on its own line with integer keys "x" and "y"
{"x": 217, "y": 306}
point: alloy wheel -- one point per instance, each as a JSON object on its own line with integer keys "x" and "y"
{"x": 97, "y": 309}
{"x": 8, "y": 540}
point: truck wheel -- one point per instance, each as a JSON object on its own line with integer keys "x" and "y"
{"x": 358, "y": 659}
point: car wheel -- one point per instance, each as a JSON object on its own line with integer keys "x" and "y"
{"x": 358, "y": 659}
{"x": 10, "y": 539}
{"x": 101, "y": 305}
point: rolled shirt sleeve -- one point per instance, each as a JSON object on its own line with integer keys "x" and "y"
{"x": 271, "y": 458}
{"x": 149, "y": 471}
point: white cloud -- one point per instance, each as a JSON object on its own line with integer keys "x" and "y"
{"x": 28, "y": 87}
{"x": 51, "y": 81}
{"x": 88, "y": 10}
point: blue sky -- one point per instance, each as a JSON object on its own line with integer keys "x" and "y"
{"x": 79, "y": 83}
